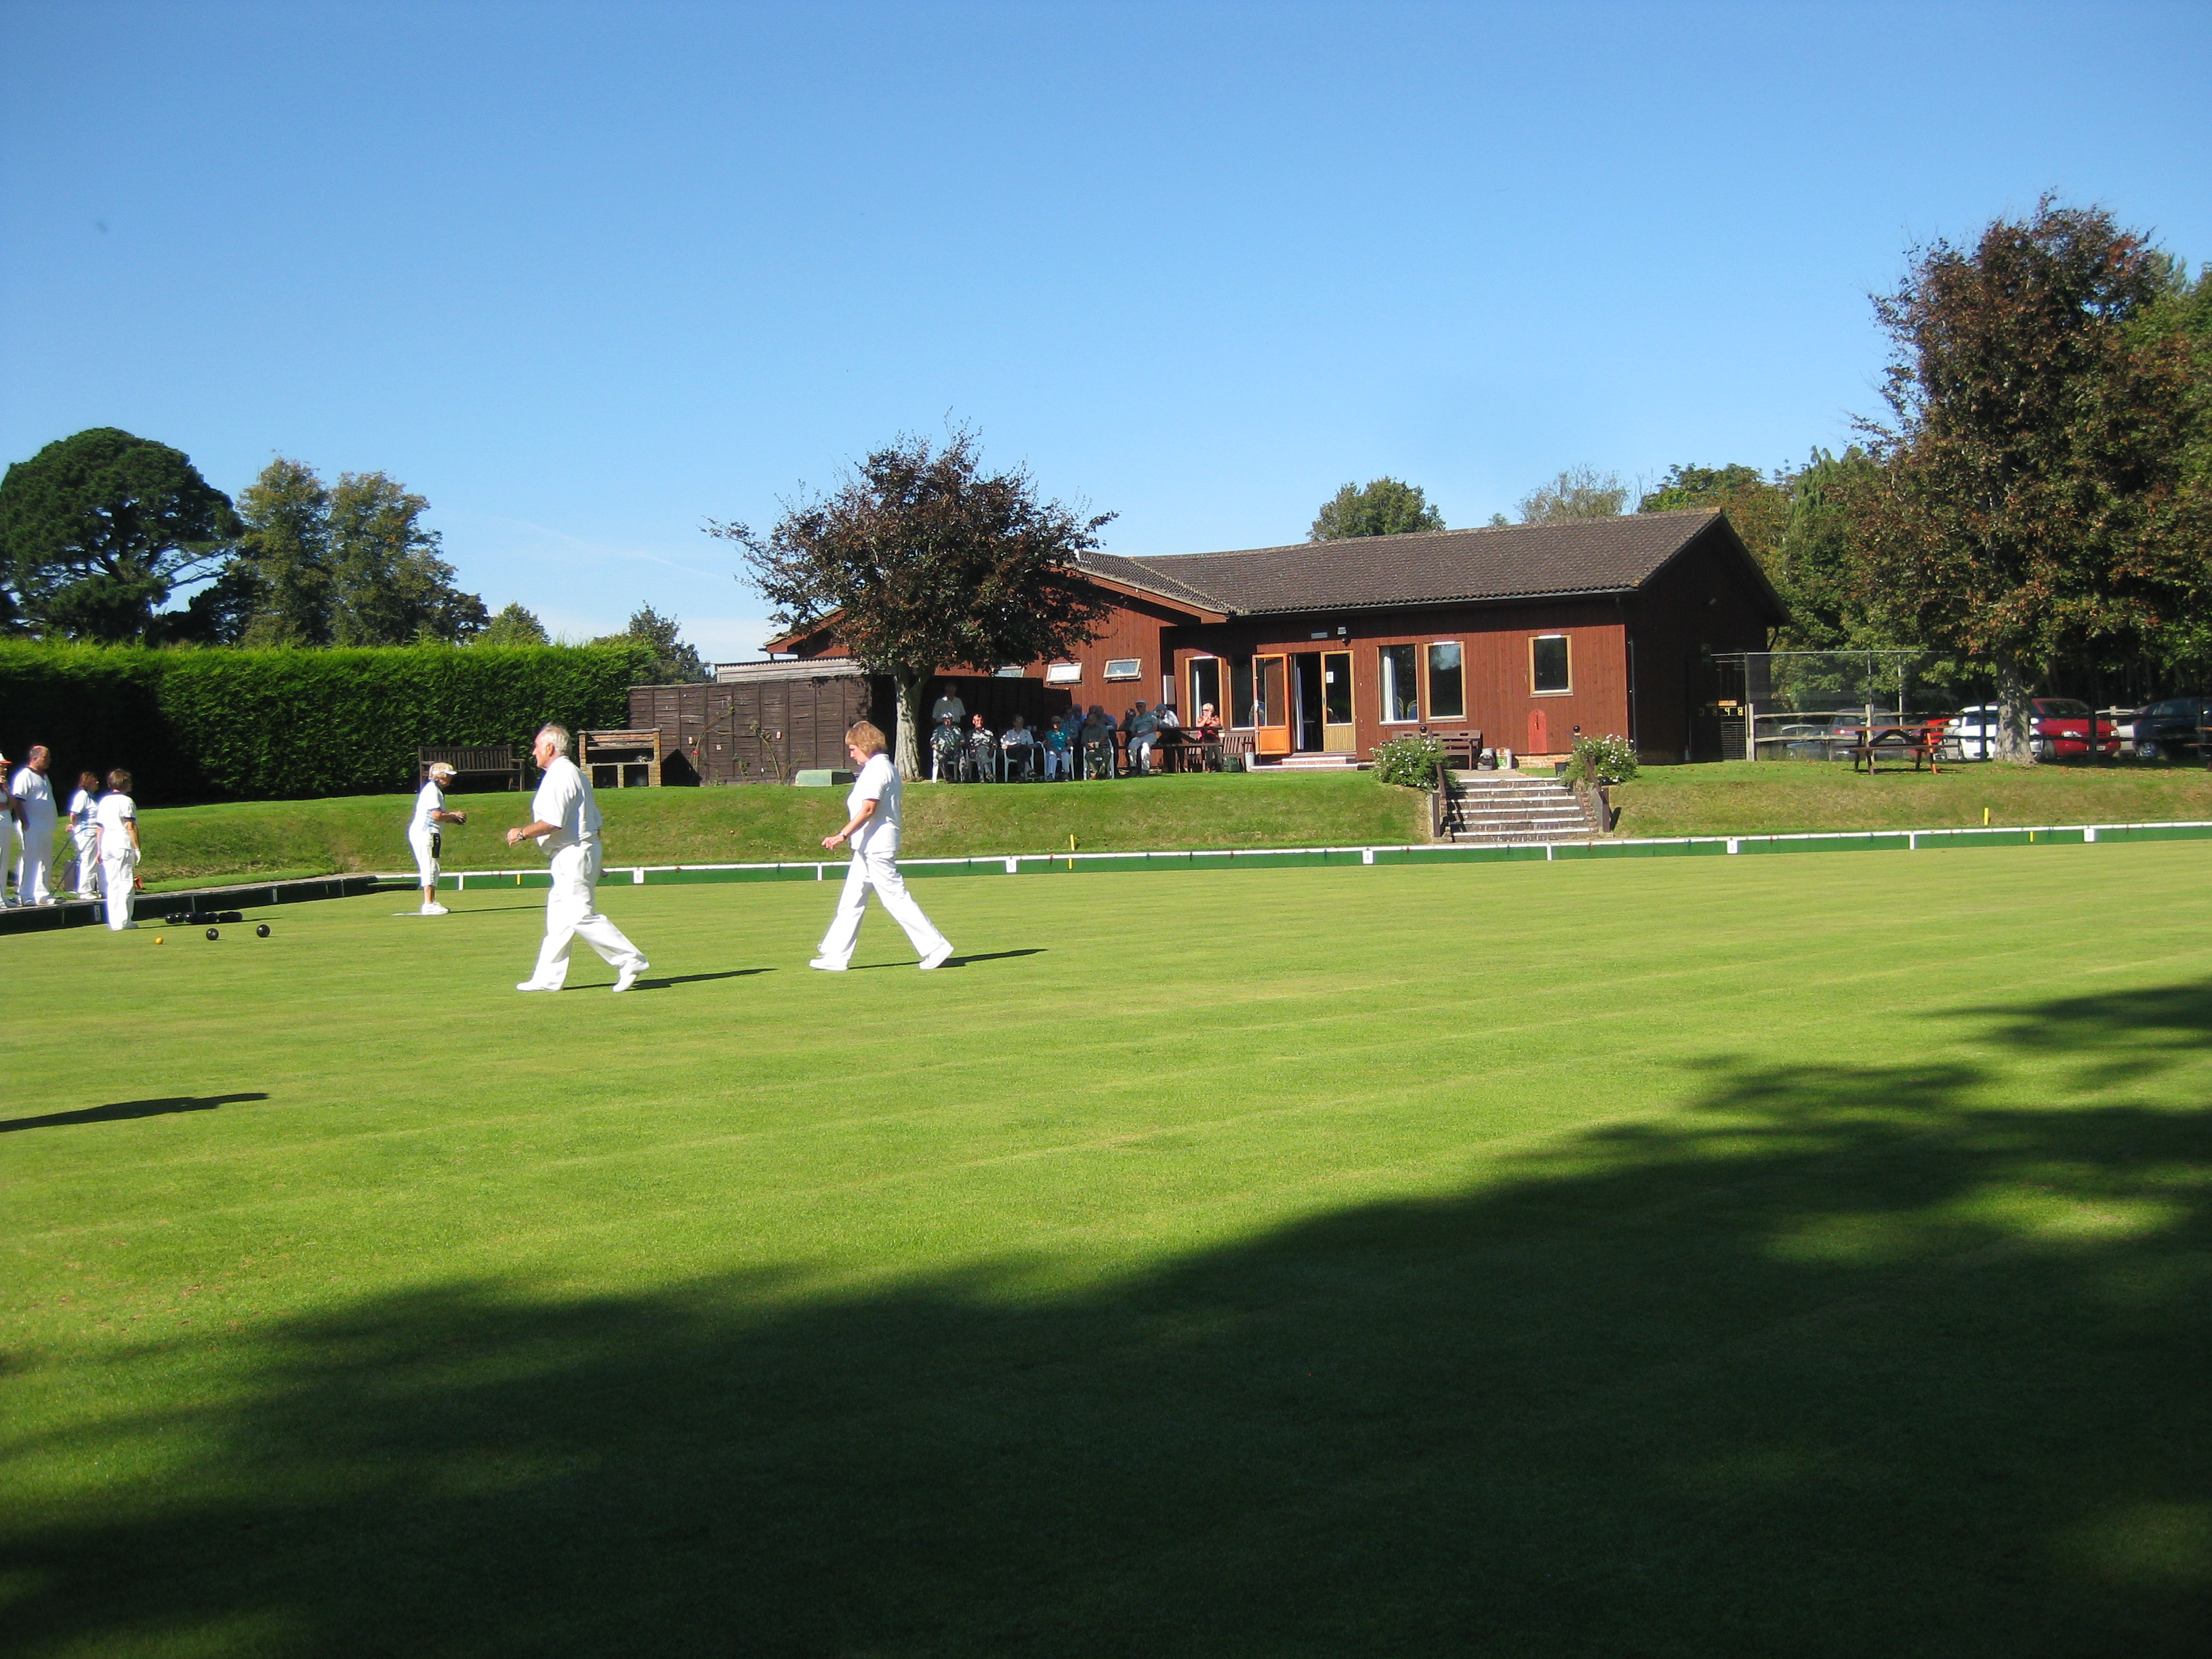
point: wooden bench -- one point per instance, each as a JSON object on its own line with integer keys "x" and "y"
{"x": 471, "y": 760}
{"x": 1462, "y": 750}
{"x": 623, "y": 751}
{"x": 1923, "y": 743}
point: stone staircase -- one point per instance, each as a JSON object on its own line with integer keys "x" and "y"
{"x": 1318, "y": 763}
{"x": 1498, "y": 809}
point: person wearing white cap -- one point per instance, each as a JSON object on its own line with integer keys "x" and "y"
{"x": 424, "y": 836}
{"x": 872, "y": 828}
{"x": 31, "y": 801}
{"x": 565, "y": 821}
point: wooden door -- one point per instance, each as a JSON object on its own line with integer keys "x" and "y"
{"x": 1271, "y": 706}
{"x": 1338, "y": 734}
{"x": 1538, "y": 743}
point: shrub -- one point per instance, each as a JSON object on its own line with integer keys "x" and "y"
{"x": 1608, "y": 759}
{"x": 232, "y": 724}
{"x": 1411, "y": 761}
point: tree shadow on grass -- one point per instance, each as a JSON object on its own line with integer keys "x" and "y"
{"x": 1837, "y": 1361}
{"x": 122, "y": 1110}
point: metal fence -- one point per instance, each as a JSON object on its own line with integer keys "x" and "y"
{"x": 1814, "y": 705}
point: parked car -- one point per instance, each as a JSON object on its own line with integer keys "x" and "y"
{"x": 2058, "y": 729}
{"x": 2170, "y": 729}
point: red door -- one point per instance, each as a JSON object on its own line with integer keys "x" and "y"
{"x": 1538, "y": 742}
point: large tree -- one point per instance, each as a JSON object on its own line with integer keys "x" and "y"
{"x": 283, "y": 564}
{"x": 2035, "y": 499}
{"x": 923, "y": 561}
{"x": 1382, "y": 506}
{"x": 673, "y": 662}
{"x": 516, "y": 624}
{"x": 388, "y": 585}
{"x": 1579, "y": 492}
{"x": 97, "y": 529}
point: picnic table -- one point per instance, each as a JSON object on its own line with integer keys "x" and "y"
{"x": 1923, "y": 743}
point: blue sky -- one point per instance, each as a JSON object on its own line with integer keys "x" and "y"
{"x": 586, "y": 276}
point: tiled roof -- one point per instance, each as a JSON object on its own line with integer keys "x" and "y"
{"x": 1584, "y": 555}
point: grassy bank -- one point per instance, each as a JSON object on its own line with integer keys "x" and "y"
{"x": 1778, "y": 797}
{"x": 714, "y": 826}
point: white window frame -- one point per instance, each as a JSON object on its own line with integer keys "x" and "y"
{"x": 1428, "y": 694}
{"x": 1566, "y": 690}
{"x": 1063, "y": 673}
{"x": 1124, "y": 668}
{"x": 1386, "y": 683}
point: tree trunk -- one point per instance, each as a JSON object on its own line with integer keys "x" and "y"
{"x": 913, "y": 685}
{"x": 2015, "y": 736}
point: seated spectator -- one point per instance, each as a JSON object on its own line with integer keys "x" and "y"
{"x": 980, "y": 763}
{"x": 1059, "y": 751}
{"x": 1018, "y": 744}
{"x": 1097, "y": 744}
{"x": 1142, "y": 728}
{"x": 1169, "y": 721}
{"x": 945, "y": 743}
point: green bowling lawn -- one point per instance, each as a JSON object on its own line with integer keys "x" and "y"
{"x": 1800, "y": 1256}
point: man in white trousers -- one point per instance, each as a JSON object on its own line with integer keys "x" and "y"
{"x": 31, "y": 799}
{"x": 872, "y": 828}
{"x": 565, "y": 821}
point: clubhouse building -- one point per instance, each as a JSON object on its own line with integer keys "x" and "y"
{"x": 1522, "y": 633}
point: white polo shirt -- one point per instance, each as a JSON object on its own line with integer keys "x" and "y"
{"x": 431, "y": 799}
{"x": 879, "y": 782}
{"x": 38, "y": 798}
{"x": 564, "y": 800}
{"x": 115, "y": 809}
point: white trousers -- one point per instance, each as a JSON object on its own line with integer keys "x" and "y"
{"x": 569, "y": 916}
{"x": 86, "y": 839}
{"x": 119, "y": 876}
{"x": 877, "y": 869}
{"x": 426, "y": 861}
{"x": 33, "y": 868}
{"x": 8, "y": 835}
{"x": 1057, "y": 764}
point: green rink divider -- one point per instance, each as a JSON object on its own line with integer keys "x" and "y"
{"x": 1072, "y": 864}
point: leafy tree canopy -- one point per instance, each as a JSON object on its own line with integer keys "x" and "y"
{"x": 2037, "y": 499}
{"x": 673, "y": 662}
{"x": 97, "y": 529}
{"x": 926, "y": 561}
{"x": 1384, "y": 506}
{"x": 514, "y": 625}
{"x": 1579, "y": 492}
{"x": 348, "y": 564}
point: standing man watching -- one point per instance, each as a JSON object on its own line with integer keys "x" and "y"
{"x": 31, "y": 801}
{"x": 948, "y": 705}
{"x": 565, "y": 823}
{"x": 426, "y": 840}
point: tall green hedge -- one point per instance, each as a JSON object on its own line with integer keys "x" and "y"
{"x": 229, "y": 725}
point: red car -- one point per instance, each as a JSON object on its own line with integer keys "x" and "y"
{"x": 2059, "y": 730}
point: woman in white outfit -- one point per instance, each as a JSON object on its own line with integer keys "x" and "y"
{"x": 872, "y": 828}
{"x": 84, "y": 834}
{"x": 423, "y": 836}
{"x": 117, "y": 818}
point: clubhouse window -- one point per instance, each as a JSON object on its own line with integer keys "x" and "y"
{"x": 1447, "y": 683}
{"x": 1240, "y": 692}
{"x": 1401, "y": 689}
{"x": 1205, "y": 686}
{"x": 1548, "y": 665}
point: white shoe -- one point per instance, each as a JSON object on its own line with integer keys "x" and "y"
{"x": 827, "y": 966}
{"x": 937, "y": 958}
{"x": 436, "y": 910}
{"x": 627, "y": 977}
{"x": 126, "y": 926}
{"x": 535, "y": 985}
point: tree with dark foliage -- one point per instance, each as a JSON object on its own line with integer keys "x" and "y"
{"x": 922, "y": 561}
{"x": 2034, "y": 500}
{"x": 97, "y": 529}
{"x": 673, "y": 661}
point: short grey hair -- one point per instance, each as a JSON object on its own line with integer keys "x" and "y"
{"x": 559, "y": 734}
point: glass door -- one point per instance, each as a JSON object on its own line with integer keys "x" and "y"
{"x": 1338, "y": 736}
{"x": 1271, "y": 706}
